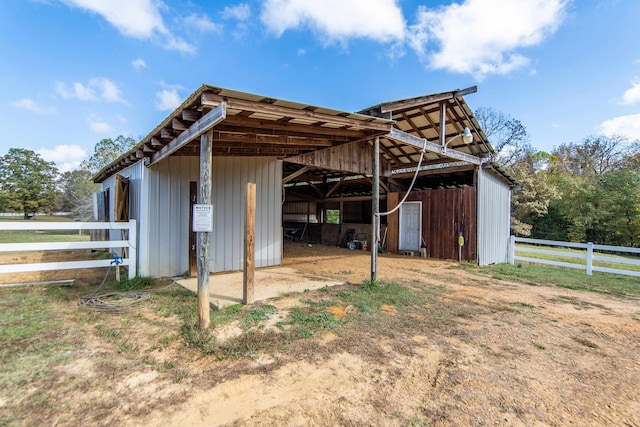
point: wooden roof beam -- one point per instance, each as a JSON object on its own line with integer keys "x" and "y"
{"x": 191, "y": 115}
{"x": 295, "y": 174}
{"x": 420, "y": 143}
{"x": 207, "y": 121}
{"x": 178, "y": 125}
{"x": 423, "y": 100}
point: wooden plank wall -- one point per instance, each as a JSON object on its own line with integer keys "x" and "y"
{"x": 445, "y": 212}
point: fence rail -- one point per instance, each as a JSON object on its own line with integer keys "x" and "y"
{"x": 129, "y": 243}
{"x": 588, "y": 256}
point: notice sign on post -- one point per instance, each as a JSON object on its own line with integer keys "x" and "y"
{"x": 202, "y": 218}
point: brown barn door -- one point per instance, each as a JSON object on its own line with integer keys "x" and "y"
{"x": 193, "y": 253}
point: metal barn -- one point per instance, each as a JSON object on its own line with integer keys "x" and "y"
{"x": 314, "y": 173}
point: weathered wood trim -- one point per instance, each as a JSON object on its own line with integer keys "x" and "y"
{"x": 198, "y": 128}
{"x": 422, "y": 100}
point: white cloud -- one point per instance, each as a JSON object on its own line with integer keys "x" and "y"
{"x": 97, "y": 89}
{"x": 139, "y": 19}
{"x": 337, "y": 20}
{"x": 201, "y": 23}
{"x": 167, "y": 99}
{"x": 241, "y": 12}
{"x": 138, "y": 63}
{"x": 628, "y": 126}
{"x": 480, "y": 37}
{"x": 66, "y": 157}
{"x": 30, "y": 105}
{"x": 97, "y": 124}
{"x": 631, "y": 95}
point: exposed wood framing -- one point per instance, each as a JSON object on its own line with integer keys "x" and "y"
{"x": 354, "y": 157}
{"x": 207, "y": 121}
{"x": 212, "y": 100}
{"x": 296, "y": 174}
{"x": 422, "y": 100}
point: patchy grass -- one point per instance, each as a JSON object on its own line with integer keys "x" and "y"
{"x": 46, "y": 333}
{"x": 561, "y": 277}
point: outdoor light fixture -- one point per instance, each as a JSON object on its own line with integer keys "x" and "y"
{"x": 467, "y": 138}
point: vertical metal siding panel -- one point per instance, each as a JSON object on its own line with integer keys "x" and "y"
{"x": 216, "y": 263}
{"x": 276, "y": 249}
{"x": 494, "y": 210}
{"x": 138, "y": 193}
{"x": 230, "y": 200}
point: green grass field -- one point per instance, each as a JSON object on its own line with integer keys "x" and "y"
{"x": 35, "y": 236}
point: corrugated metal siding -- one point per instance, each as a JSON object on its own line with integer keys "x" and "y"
{"x": 230, "y": 175}
{"x": 169, "y": 212}
{"x": 137, "y": 175}
{"x": 494, "y": 218}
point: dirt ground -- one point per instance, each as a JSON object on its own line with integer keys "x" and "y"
{"x": 513, "y": 354}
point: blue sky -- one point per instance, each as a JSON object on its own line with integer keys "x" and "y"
{"x": 75, "y": 71}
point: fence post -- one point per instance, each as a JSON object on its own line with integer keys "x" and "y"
{"x": 589, "y": 258}
{"x": 512, "y": 249}
{"x": 133, "y": 249}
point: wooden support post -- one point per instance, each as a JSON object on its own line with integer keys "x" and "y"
{"x": 204, "y": 197}
{"x": 249, "y": 245}
{"x": 375, "y": 209}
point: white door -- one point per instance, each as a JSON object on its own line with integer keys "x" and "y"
{"x": 410, "y": 226}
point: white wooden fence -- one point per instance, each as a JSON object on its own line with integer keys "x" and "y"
{"x": 588, "y": 255}
{"x": 130, "y": 243}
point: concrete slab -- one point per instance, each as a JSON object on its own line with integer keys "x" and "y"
{"x": 226, "y": 288}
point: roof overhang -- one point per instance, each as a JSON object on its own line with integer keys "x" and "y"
{"x": 247, "y": 125}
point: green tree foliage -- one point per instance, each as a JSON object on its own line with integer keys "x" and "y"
{"x": 599, "y": 185}
{"x": 106, "y": 151}
{"x": 27, "y": 182}
{"x": 510, "y": 140}
{"x": 532, "y": 200}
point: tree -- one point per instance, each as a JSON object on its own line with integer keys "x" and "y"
{"x": 531, "y": 201}
{"x": 76, "y": 189}
{"x": 599, "y": 201}
{"x": 507, "y": 135}
{"x": 106, "y": 151}
{"x": 27, "y": 182}
{"x": 594, "y": 155}
{"x": 77, "y": 186}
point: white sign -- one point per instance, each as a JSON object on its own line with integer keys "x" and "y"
{"x": 202, "y": 218}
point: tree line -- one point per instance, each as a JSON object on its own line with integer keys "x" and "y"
{"x": 31, "y": 185}
{"x": 585, "y": 191}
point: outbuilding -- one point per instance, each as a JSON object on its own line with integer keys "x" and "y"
{"x": 308, "y": 162}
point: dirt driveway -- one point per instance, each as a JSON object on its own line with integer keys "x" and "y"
{"x": 476, "y": 351}
{"x": 514, "y": 355}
